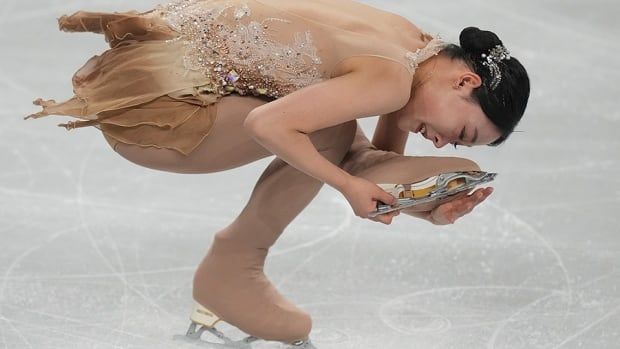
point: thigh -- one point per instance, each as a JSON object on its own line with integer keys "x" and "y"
{"x": 227, "y": 145}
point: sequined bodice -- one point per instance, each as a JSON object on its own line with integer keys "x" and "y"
{"x": 248, "y": 47}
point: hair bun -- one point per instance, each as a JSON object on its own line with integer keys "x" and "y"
{"x": 476, "y": 41}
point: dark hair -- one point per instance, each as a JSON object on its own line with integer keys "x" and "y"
{"x": 505, "y": 105}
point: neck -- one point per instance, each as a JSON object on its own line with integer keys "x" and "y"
{"x": 423, "y": 73}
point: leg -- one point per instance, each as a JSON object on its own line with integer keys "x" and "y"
{"x": 230, "y": 280}
{"x": 227, "y": 145}
{"x": 365, "y": 160}
{"x": 379, "y": 166}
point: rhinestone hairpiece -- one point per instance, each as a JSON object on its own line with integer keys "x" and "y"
{"x": 496, "y": 55}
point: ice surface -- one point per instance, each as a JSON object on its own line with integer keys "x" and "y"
{"x": 97, "y": 252}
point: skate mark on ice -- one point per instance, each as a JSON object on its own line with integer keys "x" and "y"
{"x": 344, "y": 224}
{"x": 545, "y": 243}
{"x": 82, "y": 323}
{"x": 10, "y": 269}
{"x": 567, "y": 204}
{"x": 589, "y": 326}
{"x": 503, "y": 323}
{"x": 105, "y": 275}
{"x": 492, "y": 341}
{"x": 352, "y": 257}
{"x": 95, "y": 245}
{"x": 64, "y": 333}
{"x": 125, "y": 289}
{"x": 14, "y": 328}
{"x": 316, "y": 241}
{"x": 439, "y": 323}
{"x": 333, "y": 335}
{"x": 317, "y": 252}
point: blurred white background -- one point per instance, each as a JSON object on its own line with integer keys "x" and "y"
{"x": 97, "y": 252}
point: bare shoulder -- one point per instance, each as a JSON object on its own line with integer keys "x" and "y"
{"x": 378, "y": 71}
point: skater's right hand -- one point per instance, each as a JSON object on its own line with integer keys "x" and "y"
{"x": 363, "y": 195}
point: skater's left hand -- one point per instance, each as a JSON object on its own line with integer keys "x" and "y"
{"x": 449, "y": 212}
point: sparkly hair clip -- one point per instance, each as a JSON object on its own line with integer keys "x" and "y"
{"x": 496, "y": 55}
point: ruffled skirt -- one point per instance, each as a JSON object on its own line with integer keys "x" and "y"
{"x": 139, "y": 91}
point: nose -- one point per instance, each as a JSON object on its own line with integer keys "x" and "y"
{"x": 440, "y": 141}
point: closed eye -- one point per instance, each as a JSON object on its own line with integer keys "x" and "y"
{"x": 462, "y": 137}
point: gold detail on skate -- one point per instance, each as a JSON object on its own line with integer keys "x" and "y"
{"x": 204, "y": 312}
{"x": 204, "y": 316}
{"x": 420, "y": 189}
{"x": 455, "y": 183}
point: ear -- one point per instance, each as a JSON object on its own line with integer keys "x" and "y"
{"x": 468, "y": 80}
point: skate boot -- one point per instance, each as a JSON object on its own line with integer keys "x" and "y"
{"x": 431, "y": 192}
{"x": 230, "y": 286}
{"x": 202, "y": 319}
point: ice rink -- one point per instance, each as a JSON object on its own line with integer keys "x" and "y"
{"x": 97, "y": 252}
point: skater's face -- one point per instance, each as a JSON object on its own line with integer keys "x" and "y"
{"x": 442, "y": 111}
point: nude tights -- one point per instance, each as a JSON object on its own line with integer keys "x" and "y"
{"x": 230, "y": 280}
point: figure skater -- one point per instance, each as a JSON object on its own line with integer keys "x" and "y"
{"x": 201, "y": 86}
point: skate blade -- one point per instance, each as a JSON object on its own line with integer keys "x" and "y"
{"x": 195, "y": 332}
{"x": 445, "y": 185}
{"x": 203, "y": 320}
{"x": 307, "y": 344}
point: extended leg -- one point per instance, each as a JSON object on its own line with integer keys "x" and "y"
{"x": 230, "y": 280}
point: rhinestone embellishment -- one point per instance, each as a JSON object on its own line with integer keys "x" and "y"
{"x": 236, "y": 52}
{"x": 420, "y": 55}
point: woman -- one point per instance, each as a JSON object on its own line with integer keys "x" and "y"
{"x": 205, "y": 86}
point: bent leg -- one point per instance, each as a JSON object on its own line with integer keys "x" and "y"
{"x": 379, "y": 166}
{"x": 226, "y": 146}
{"x": 230, "y": 280}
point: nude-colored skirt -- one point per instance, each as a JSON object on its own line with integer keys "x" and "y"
{"x": 137, "y": 92}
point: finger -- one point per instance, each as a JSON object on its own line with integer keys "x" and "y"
{"x": 386, "y": 220}
{"x": 478, "y": 194}
{"x": 389, "y": 217}
{"x": 386, "y": 197}
{"x": 379, "y": 218}
{"x": 485, "y": 194}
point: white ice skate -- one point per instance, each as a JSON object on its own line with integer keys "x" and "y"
{"x": 431, "y": 191}
{"x": 202, "y": 319}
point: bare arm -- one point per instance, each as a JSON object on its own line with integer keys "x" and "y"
{"x": 283, "y": 125}
{"x": 388, "y": 136}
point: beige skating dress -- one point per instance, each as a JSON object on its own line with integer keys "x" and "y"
{"x": 159, "y": 83}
